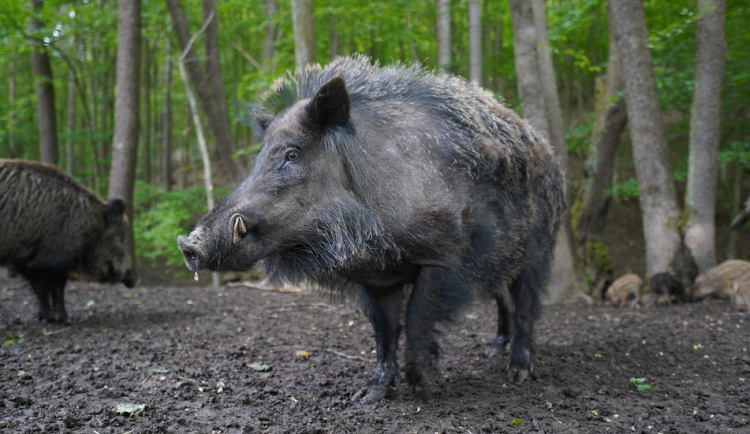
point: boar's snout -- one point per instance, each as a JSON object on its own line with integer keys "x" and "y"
{"x": 191, "y": 253}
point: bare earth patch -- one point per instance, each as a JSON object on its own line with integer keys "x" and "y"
{"x": 189, "y": 354}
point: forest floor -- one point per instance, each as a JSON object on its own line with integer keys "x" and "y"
{"x": 186, "y": 358}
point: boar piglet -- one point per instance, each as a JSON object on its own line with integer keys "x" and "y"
{"x": 51, "y": 226}
{"x": 375, "y": 178}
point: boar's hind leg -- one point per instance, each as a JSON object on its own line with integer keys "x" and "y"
{"x": 49, "y": 287}
{"x": 525, "y": 292}
{"x": 438, "y": 293}
{"x": 383, "y": 307}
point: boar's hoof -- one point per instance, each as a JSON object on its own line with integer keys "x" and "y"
{"x": 498, "y": 346}
{"x": 519, "y": 371}
{"x": 370, "y": 395}
{"x": 385, "y": 377}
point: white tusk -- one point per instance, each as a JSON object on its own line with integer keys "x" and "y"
{"x": 239, "y": 228}
{"x": 196, "y": 276}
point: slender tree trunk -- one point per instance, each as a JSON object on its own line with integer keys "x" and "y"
{"x": 71, "y": 124}
{"x": 609, "y": 123}
{"x": 475, "y": 41}
{"x": 657, "y": 193}
{"x": 166, "y": 159}
{"x": 146, "y": 89}
{"x": 304, "y": 32}
{"x": 218, "y": 120}
{"x": 705, "y": 132}
{"x": 444, "y": 34}
{"x": 269, "y": 38}
{"x": 564, "y": 279}
{"x": 45, "y": 90}
{"x": 549, "y": 83}
{"x": 125, "y": 141}
{"x": 12, "y": 105}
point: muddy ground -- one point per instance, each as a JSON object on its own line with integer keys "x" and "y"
{"x": 186, "y": 354}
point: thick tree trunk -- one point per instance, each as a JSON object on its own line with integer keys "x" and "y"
{"x": 304, "y": 32}
{"x": 125, "y": 141}
{"x": 564, "y": 279}
{"x": 657, "y": 193}
{"x": 609, "y": 123}
{"x": 475, "y": 41}
{"x": 218, "y": 120}
{"x": 45, "y": 91}
{"x": 705, "y": 133}
{"x": 444, "y": 34}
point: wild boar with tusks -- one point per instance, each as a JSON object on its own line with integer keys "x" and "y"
{"x": 375, "y": 179}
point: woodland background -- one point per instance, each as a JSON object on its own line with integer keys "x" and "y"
{"x": 65, "y": 109}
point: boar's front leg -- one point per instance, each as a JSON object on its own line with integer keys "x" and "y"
{"x": 383, "y": 308}
{"x": 436, "y": 296}
{"x": 49, "y": 286}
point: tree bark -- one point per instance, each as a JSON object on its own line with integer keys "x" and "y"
{"x": 125, "y": 141}
{"x": 705, "y": 132}
{"x": 218, "y": 120}
{"x": 45, "y": 90}
{"x": 304, "y": 32}
{"x": 475, "y": 41}
{"x": 564, "y": 279}
{"x": 659, "y": 209}
{"x": 609, "y": 123}
{"x": 444, "y": 34}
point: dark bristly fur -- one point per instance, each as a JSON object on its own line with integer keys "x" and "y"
{"x": 51, "y": 226}
{"x": 372, "y": 179}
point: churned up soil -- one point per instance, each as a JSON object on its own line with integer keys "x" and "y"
{"x": 243, "y": 360}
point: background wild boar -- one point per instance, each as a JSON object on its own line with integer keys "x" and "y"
{"x": 51, "y": 226}
{"x": 372, "y": 178}
{"x": 626, "y": 288}
{"x": 719, "y": 281}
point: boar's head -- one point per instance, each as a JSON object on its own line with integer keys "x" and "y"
{"x": 298, "y": 204}
{"x": 110, "y": 259}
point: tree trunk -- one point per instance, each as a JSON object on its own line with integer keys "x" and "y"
{"x": 45, "y": 90}
{"x": 71, "y": 124}
{"x": 548, "y": 82}
{"x": 166, "y": 159}
{"x": 269, "y": 39}
{"x": 564, "y": 279}
{"x": 703, "y": 169}
{"x": 657, "y": 193}
{"x": 444, "y": 34}
{"x": 609, "y": 123}
{"x": 125, "y": 141}
{"x": 475, "y": 41}
{"x": 146, "y": 89}
{"x": 304, "y": 32}
{"x": 218, "y": 120}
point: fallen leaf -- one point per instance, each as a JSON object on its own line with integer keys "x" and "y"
{"x": 260, "y": 367}
{"x": 127, "y": 409}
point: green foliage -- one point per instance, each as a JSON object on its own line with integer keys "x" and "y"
{"x": 735, "y": 153}
{"x": 640, "y": 385}
{"x": 624, "y": 190}
{"x": 161, "y": 215}
{"x": 578, "y": 136}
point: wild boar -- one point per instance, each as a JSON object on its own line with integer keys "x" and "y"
{"x": 718, "y": 282}
{"x": 51, "y": 226}
{"x": 625, "y": 288}
{"x": 741, "y": 292}
{"x": 667, "y": 288}
{"x": 375, "y": 178}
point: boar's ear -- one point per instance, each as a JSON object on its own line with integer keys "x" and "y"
{"x": 115, "y": 213}
{"x": 330, "y": 105}
{"x": 261, "y": 121}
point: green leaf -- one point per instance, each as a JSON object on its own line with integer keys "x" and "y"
{"x": 127, "y": 409}
{"x": 158, "y": 369}
{"x": 600, "y": 356}
{"x": 640, "y": 385}
{"x": 517, "y": 422}
{"x": 260, "y": 367}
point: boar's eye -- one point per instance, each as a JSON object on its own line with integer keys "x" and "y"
{"x": 292, "y": 156}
